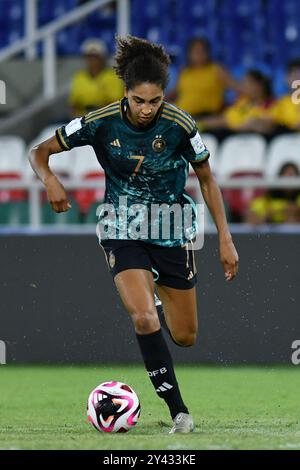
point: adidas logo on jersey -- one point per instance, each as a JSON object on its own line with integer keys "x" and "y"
{"x": 116, "y": 143}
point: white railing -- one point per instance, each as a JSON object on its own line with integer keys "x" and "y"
{"x": 35, "y": 187}
{"x": 47, "y": 34}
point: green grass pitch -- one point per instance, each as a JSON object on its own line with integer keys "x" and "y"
{"x": 44, "y": 407}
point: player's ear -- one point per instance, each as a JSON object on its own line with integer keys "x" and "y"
{"x": 125, "y": 92}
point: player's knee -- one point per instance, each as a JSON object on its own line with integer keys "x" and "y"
{"x": 145, "y": 321}
{"x": 186, "y": 339}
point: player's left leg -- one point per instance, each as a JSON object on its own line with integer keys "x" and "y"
{"x": 136, "y": 289}
{"x": 180, "y": 310}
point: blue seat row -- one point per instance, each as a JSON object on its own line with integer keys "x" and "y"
{"x": 267, "y": 31}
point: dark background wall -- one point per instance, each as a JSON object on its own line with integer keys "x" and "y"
{"x": 58, "y": 302}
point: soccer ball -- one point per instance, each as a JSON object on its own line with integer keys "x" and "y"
{"x": 113, "y": 407}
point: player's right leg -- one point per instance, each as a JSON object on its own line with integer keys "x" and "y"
{"x": 136, "y": 289}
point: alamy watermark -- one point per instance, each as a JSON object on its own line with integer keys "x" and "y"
{"x": 2, "y": 352}
{"x": 179, "y": 223}
{"x": 2, "y": 92}
{"x": 295, "y": 358}
{"x": 296, "y": 93}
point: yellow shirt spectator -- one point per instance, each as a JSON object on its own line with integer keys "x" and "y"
{"x": 201, "y": 89}
{"x": 201, "y": 84}
{"x": 250, "y": 113}
{"x": 278, "y": 205}
{"x": 89, "y": 93}
{"x": 273, "y": 210}
{"x": 286, "y": 113}
{"x": 244, "y": 110}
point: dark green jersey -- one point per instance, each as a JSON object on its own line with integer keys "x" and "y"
{"x": 144, "y": 167}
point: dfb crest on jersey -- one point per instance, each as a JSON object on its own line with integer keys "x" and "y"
{"x": 159, "y": 144}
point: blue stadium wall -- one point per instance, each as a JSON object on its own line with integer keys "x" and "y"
{"x": 59, "y": 305}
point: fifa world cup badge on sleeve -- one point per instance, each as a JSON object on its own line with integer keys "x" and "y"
{"x": 197, "y": 143}
{"x": 73, "y": 126}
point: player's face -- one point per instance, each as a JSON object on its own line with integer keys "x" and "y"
{"x": 144, "y": 101}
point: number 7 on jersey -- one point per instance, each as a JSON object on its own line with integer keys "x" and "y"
{"x": 140, "y": 159}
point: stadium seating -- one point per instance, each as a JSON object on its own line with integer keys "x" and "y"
{"x": 283, "y": 149}
{"x": 268, "y": 31}
{"x": 11, "y": 21}
{"x": 86, "y": 166}
{"x": 211, "y": 143}
{"x": 45, "y": 134}
{"x": 12, "y": 164}
{"x": 86, "y": 163}
{"x": 268, "y": 35}
{"x": 14, "y": 213}
{"x": 242, "y": 153}
{"x": 12, "y": 149}
{"x": 241, "y": 156}
{"x": 238, "y": 156}
{"x": 13, "y": 209}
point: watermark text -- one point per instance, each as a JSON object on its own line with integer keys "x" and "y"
{"x": 296, "y": 354}
{"x": 2, "y": 352}
{"x": 2, "y": 92}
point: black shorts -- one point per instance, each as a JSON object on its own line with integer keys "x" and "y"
{"x": 173, "y": 267}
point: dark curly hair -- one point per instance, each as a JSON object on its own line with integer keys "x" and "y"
{"x": 139, "y": 61}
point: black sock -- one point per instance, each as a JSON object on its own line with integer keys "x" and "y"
{"x": 159, "y": 365}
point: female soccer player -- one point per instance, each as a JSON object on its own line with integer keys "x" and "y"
{"x": 145, "y": 146}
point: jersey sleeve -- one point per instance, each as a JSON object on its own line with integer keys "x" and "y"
{"x": 76, "y": 134}
{"x": 194, "y": 149}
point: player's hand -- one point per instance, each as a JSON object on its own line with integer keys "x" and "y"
{"x": 229, "y": 258}
{"x": 56, "y": 194}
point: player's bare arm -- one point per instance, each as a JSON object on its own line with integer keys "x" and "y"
{"x": 213, "y": 199}
{"x": 39, "y": 160}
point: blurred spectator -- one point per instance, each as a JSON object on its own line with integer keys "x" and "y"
{"x": 251, "y": 111}
{"x": 277, "y": 205}
{"x": 201, "y": 85}
{"x": 285, "y": 112}
{"x": 97, "y": 85}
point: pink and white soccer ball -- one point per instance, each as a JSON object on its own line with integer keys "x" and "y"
{"x": 113, "y": 407}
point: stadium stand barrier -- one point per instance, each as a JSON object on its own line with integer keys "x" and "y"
{"x": 47, "y": 35}
{"x": 241, "y": 162}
